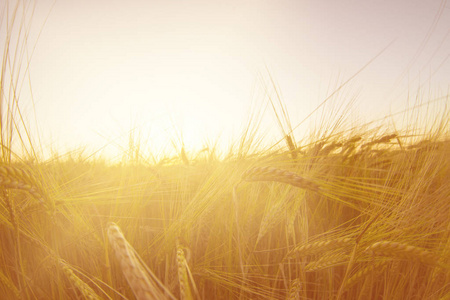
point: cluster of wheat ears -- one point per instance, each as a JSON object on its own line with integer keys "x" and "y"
{"x": 338, "y": 220}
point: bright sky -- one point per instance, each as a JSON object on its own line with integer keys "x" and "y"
{"x": 101, "y": 68}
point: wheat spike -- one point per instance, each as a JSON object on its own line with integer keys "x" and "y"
{"x": 12, "y": 213}
{"x": 8, "y": 283}
{"x": 363, "y": 272}
{"x": 291, "y": 145}
{"x": 294, "y": 290}
{"x": 143, "y": 287}
{"x": 85, "y": 289}
{"x": 319, "y": 247}
{"x": 185, "y": 291}
{"x": 16, "y": 178}
{"x": 278, "y": 175}
{"x": 403, "y": 251}
{"x": 326, "y": 261}
{"x": 329, "y": 148}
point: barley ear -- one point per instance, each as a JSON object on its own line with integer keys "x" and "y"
{"x": 185, "y": 290}
{"x": 17, "y": 178}
{"x": 291, "y": 145}
{"x": 319, "y": 247}
{"x": 85, "y": 289}
{"x": 294, "y": 289}
{"x": 403, "y": 251}
{"x": 279, "y": 175}
{"x": 9, "y": 284}
{"x": 143, "y": 287}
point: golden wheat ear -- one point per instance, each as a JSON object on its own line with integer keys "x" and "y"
{"x": 404, "y": 251}
{"x": 16, "y": 178}
{"x": 142, "y": 281}
{"x": 86, "y": 290}
{"x": 184, "y": 276}
{"x": 279, "y": 175}
{"x": 319, "y": 247}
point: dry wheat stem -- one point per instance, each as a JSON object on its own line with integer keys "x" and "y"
{"x": 279, "y": 175}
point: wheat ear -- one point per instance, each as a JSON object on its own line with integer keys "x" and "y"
{"x": 279, "y": 175}
{"x": 85, "y": 289}
{"x": 326, "y": 261}
{"x": 143, "y": 287}
{"x": 363, "y": 272}
{"x": 319, "y": 247}
{"x": 8, "y": 283}
{"x": 294, "y": 290}
{"x": 403, "y": 251}
{"x": 185, "y": 290}
{"x": 291, "y": 145}
{"x": 17, "y": 178}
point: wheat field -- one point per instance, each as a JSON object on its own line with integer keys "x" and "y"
{"x": 345, "y": 213}
{"x": 347, "y": 218}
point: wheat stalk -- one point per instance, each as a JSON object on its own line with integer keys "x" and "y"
{"x": 143, "y": 287}
{"x": 403, "y": 251}
{"x": 279, "y": 175}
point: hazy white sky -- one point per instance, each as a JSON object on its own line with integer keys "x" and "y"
{"x": 101, "y": 68}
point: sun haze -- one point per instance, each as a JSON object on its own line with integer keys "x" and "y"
{"x": 189, "y": 71}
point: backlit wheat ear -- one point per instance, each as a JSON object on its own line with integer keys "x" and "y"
{"x": 363, "y": 272}
{"x": 294, "y": 290}
{"x": 184, "y": 157}
{"x": 329, "y": 148}
{"x": 319, "y": 247}
{"x": 403, "y": 251}
{"x": 185, "y": 291}
{"x": 9, "y": 284}
{"x": 16, "y": 178}
{"x": 85, "y": 289}
{"x": 12, "y": 213}
{"x": 383, "y": 140}
{"x": 326, "y": 261}
{"x": 143, "y": 287}
{"x": 291, "y": 145}
{"x": 278, "y": 175}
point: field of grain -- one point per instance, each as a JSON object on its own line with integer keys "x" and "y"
{"x": 346, "y": 213}
{"x": 340, "y": 218}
